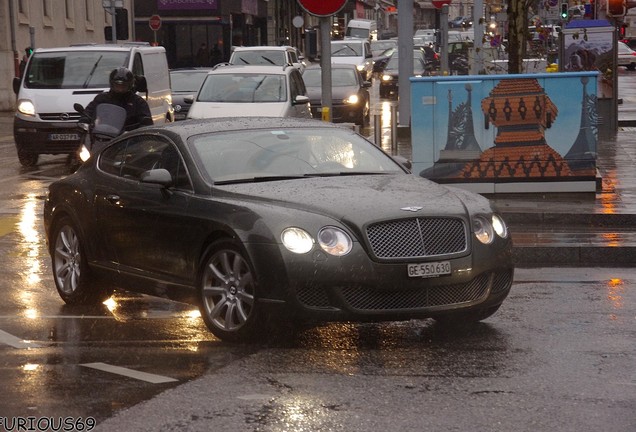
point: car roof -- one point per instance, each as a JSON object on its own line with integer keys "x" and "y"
{"x": 124, "y": 47}
{"x": 192, "y": 69}
{"x": 259, "y": 69}
{"x": 264, "y": 48}
{"x": 333, "y": 66}
{"x": 191, "y": 127}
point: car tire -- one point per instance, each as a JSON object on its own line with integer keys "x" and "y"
{"x": 27, "y": 158}
{"x": 71, "y": 274}
{"x": 228, "y": 293}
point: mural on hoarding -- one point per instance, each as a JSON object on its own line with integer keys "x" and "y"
{"x": 505, "y": 130}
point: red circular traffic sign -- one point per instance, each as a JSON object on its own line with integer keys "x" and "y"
{"x": 322, "y": 8}
{"x": 439, "y": 3}
{"x": 155, "y": 22}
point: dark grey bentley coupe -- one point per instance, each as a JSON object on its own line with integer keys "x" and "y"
{"x": 262, "y": 219}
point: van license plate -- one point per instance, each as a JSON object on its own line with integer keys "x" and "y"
{"x": 431, "y": 269}
{"x": 63, "y": 137}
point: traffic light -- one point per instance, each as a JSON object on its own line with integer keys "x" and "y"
{"x": 121, "y": 23}
{"x": 564, "y": 11}
{"x": 616, "y": 8}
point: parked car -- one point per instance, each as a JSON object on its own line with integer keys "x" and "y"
{"x": 185, "y": 82}
{"x": 258, "y": 220}
{"x": 626, "y": 56}
{"x": 389, "y": 84}
{"x": 460, "y": 22}
{"x": 354, "y": 51}
{"x": 267, "y": 55}
{"x": 349, "y": 93}
{"x": 248, "y": 91}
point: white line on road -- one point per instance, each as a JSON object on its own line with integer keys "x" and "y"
{"x": 16, "y": 342}
{"x": 131, "y": 373}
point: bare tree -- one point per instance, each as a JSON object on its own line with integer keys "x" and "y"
{"x": 517, "y": 34}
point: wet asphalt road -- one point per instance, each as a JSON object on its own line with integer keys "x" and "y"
{"x": 558, "y": 356}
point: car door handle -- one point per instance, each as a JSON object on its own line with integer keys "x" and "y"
{"x": 113, "y": 199}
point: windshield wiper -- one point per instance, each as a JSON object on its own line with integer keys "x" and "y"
{"x": 90, "y": 75}
{"x": 260, "y": 179}
{"x": 349, "y": 173}
{"x": 267, "y": 59}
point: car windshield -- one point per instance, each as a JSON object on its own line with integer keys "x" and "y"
{"x": 377, "y": 47}
{"x": 73, "y": 70}
{"x": 187, "y": 81}
{"x": 273, "y": 154}
{"x": 243, "y": 88}
{"x": 258, "y": 57}
{"x": 339, "y": 77}
{"x": 346, "y": 49}
{"x": 394, "y": 62}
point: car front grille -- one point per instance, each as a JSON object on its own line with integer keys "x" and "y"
{"x": 70, "y": 116}
{"x": 368, "y": 300}
{"x": 417, "y": 237}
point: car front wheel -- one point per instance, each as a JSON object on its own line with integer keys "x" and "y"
{"x": 27, "y": 158}
{"x": 228, "y": 295}
{"x": 70, "y": 271}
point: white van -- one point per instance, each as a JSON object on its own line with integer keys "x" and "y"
{"x": 362, "y": 29}
{"x": 56, "y": 78}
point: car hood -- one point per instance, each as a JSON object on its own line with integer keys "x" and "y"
{"x": 362, "y": 198}
{"x": 348, "y": 60}
{"x": 219, "y": 109}
{"x": 337, "y": 93}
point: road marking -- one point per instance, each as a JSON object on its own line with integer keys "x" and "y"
{"x": 16, "y": 342}
{"x": 131, "y": 373}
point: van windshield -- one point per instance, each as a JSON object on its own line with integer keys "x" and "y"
{"x": 73, "y": 70}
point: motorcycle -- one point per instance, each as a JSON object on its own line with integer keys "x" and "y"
{"x": 107, "y": 124}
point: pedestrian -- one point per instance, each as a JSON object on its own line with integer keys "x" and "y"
{"x": 25, "y": 58}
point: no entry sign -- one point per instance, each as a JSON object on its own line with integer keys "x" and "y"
{"x": 154, "y": 22}
{"x": 322, "y": 8}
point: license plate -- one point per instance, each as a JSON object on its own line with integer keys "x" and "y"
{"x": 432, "y": 269}
{"x": 63, "y": 137}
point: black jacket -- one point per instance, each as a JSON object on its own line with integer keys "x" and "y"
{"x": 137, "y": 109}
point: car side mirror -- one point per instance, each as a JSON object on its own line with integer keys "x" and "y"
{"x": 366, "y": 84}
{"x": 16, "y": 84}
{"x": 301, "y": 99}
{"x": 160, "y": 176}
{"x": 141, "y": 85}
{"x": 188, "y": 99}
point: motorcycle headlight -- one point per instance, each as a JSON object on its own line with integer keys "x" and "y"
{"x": 387, "y": 78}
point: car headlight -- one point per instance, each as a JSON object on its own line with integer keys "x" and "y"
{"x": 360, "y": 67}
{"x": 387, "y": 78}
{"x": 297, "y": 240}
{"x": 26, "y": 107}
{"x": 499, "y": 226}
{"x": 483, "y": 229}
{"x": 334, "y": 241}
{"x": 351, "y": 100}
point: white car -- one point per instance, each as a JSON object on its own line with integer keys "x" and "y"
{"x": 354, "y": 51}
{"x": 251, "y": 91}
{"x": 626, "y": 56}
{"x": 267, "y": 55}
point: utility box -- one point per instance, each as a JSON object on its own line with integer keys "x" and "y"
{"x": 506, "y": 133}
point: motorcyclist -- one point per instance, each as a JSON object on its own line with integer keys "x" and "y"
{"x": 121, "y": 93}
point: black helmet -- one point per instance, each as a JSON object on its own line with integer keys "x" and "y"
{"x": 121, "y": 80}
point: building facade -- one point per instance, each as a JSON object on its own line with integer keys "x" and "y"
{"x": 194, "y": 32}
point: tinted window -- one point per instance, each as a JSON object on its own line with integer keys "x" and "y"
{"x": 130, "y": 158}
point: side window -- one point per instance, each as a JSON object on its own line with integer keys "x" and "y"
{"x": 292, "y": 56}
{"x": 138, "y": 65}
{"x": 130, "y": 158}
{"x": 297, "y": 84}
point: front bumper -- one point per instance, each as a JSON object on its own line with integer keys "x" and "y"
{"x": 36, "y": 136}
{"x": 339, "y": 113}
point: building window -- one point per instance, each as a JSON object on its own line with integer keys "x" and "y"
{"x": 47, "y": 12}
{"x": 69, "y": 14}
{"x": 89, "y": 6}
